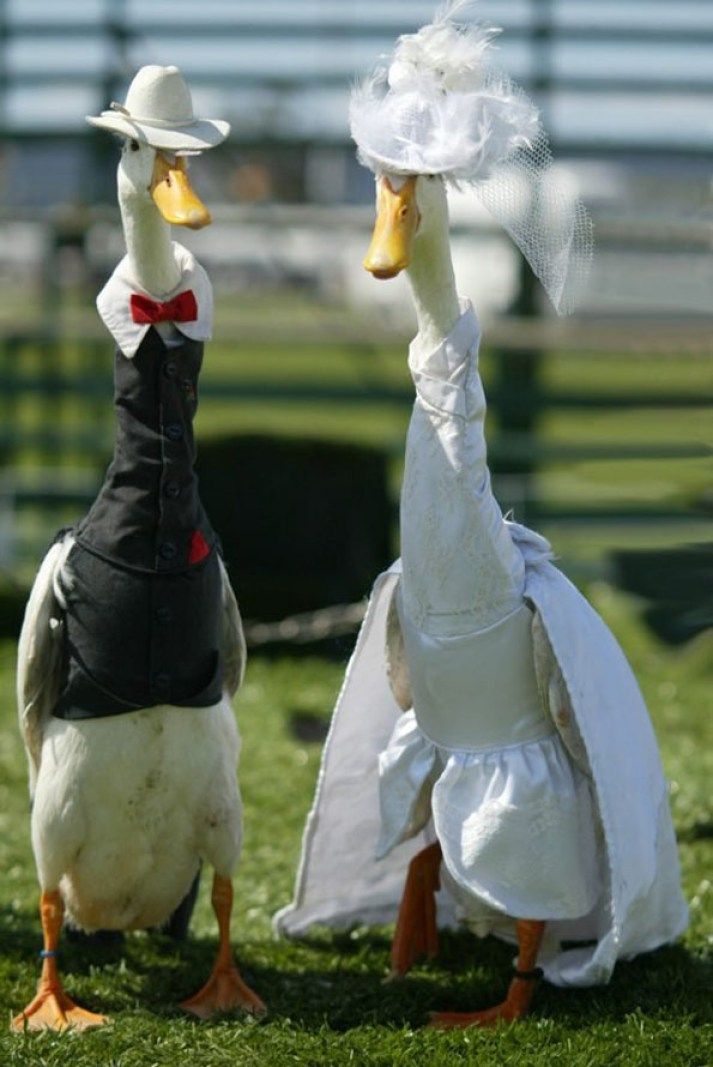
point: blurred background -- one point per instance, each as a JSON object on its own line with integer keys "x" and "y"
{"x": 600, "y": 426}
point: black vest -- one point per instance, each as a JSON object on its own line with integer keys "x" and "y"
{"x": 143, "y": 583}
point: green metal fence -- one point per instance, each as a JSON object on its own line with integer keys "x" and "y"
{"x": 55, "y": 423}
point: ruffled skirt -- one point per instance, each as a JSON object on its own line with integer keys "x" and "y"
{"x": 516, "y": 824}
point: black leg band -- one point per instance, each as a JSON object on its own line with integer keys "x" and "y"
{"x": 529, "y": 976}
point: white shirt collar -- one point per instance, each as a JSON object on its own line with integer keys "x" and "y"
{"x": 113, "y": 302}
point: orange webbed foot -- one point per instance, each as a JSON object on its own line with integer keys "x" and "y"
{"x": 225, "y": 990}
{"x": 515, "y": 1006}
{"x": 52, "y": 1009}
{"x": 454, "y": 1020}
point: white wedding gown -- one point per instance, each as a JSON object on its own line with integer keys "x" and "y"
{"x": 478, "y": 751}
{"x": 542, "y": 781}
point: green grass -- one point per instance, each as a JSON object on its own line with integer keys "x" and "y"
{"x": 327, "y": 1001}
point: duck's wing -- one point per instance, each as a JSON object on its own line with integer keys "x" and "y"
{"x": 40, "y": 654}
{"x": 232, "y": 638}
{"x": 555, "y": 695}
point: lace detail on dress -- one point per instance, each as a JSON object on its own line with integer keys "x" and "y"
{"x": 516, "y": 825}
{"x": 529, "y": 843}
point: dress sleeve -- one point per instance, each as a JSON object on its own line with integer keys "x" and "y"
{"x": 443, "y": 375}
{"x": 461, "y": 570}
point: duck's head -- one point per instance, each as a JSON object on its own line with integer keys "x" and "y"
{"x": 439, "y": 105}
{"x": 156, "y": 177}
{"x": 411, "y": 212}
{"x": 158, "y": 131}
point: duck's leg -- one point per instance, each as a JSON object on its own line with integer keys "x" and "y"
{"x": 52, "y": 1009}
{"x": 225, "y": 990}
{"x": 522, "y": 987}
{"x": 416, "y": 933}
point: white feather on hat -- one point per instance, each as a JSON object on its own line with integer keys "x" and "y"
{"x": 440, "y": 106}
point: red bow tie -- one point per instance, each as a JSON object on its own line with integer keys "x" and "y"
{"x": 181, "y": 308}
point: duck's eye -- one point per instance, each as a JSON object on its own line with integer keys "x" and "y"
{"x": 134, "y": 146}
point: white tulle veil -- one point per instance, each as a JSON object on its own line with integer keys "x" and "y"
{"x": 439, "y": 105}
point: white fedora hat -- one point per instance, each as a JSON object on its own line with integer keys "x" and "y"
{"x": 158, "y": 111}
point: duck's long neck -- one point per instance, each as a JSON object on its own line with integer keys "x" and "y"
{"x": 433, "y": 284}
{"x": 148, "y": 243}
{"x": 460, "y": 569}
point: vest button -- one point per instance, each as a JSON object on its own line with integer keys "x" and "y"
{"x": 163, "y": 614}
{"x": 173, "y": 431}
{"x": 170, "y": 368}
{"x": 162, "y": 682}
{"x": 172, "y": 489}
{"x": 167, "y": 550}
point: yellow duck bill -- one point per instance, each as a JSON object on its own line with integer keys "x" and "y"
{"x": 174, "y": 196}
{"x": 397, "y": 219}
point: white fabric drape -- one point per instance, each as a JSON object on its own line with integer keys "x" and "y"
{"x": 497, "y": 813}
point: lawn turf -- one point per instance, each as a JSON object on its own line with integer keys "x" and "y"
{"x": 328, "y": 1003}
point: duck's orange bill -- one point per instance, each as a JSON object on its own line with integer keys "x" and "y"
{"x": 174, "y": 196}
{"x": 397, "y": 219}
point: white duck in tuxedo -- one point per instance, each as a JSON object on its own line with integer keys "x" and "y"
{"x": 490, "y": 734}
{"x": 132, "y": 645}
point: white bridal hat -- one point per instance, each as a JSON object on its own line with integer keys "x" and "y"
{"x": 158, "y": 111}
{"x": 439, "y": 105}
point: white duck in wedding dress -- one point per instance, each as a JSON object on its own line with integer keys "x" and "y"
{"x": 132, "y": 645}
{"x": 489, "y": 735}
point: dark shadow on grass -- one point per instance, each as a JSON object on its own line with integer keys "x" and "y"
{"x": 469, "y": 973}
{"x": 338, "y": 980}
{"x": 21, "y": 941}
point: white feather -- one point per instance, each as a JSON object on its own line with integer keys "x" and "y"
{"x": 453, "y": 9}
{"x": 126, "y": 807}
{"x": 440, "y": 108}
{"x": 460, "y": 135}
{"x": 39, "y": 655}
{"x": 453, "y": 56}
